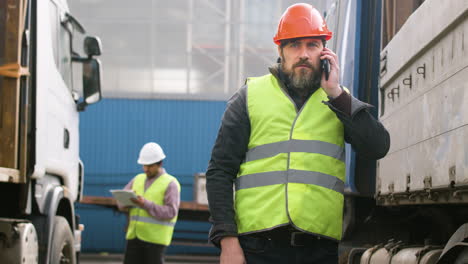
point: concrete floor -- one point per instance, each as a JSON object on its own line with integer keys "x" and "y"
{"x": 105, "y": 258}
{"x": 86, "y": 258}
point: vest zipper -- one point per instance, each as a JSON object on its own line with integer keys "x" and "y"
{"x": 282, "y": 87}
{"x": 139, "y": 209}
{"x": 298, "y": 112}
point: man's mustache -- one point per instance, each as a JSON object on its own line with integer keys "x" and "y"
{"x": 303, "y": 63}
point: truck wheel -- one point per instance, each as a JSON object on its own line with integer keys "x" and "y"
{"x": 462, "y": 257}
{"x": 63, "y": 248}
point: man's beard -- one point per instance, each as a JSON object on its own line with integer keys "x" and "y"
{"x": 151, "y": 175}
{"x": 305, "y": 78}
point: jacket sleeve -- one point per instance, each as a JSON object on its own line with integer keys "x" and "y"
{"x": 227, "y": 155}
{"x": 364, "y": 132}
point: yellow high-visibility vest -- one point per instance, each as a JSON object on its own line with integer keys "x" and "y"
{"x": 144, "y": 226}
{"x": 294, "y": 170}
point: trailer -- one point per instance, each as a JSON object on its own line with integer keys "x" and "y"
{"x": 410, "y": 206}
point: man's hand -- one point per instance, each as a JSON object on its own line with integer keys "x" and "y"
{"x": 231, "y": 251}
{"x": 124, "y": 209}
{"x": 139, "y": 201}
{"x": 332, "y": 86}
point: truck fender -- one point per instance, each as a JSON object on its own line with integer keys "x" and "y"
{"x": 56, "y": 196}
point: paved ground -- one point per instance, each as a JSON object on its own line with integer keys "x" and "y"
{"x": 105, "y": 258}
{"x": 101, "y": 258}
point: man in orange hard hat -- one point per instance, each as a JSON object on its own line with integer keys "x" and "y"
{"x": 281, "y": 143}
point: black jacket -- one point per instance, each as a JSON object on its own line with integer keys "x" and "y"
{"x": 367, "y": 136}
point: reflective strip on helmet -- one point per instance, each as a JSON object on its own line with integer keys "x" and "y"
{"x": 294, "y": 145}
{"x": 150, "y": 220}
{"x": 295, "y": 176}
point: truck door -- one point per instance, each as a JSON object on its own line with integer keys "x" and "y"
{"x": 57, "y": 139}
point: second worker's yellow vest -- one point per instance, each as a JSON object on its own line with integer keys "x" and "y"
{"x": 294, "y": 170}
{"x": 142, "y": 225}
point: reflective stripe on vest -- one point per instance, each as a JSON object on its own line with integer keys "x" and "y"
{"x": 144, "y": 226}
{"x": 294, "y": 169}
{"x": 293, "y": 145}
{"x": 295, "y": 176}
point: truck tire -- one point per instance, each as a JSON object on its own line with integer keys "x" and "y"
{"x": 63, "y": 248}
{"x": 462, "y": 257}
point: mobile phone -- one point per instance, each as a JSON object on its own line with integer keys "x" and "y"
{"x": 325, "y": 64}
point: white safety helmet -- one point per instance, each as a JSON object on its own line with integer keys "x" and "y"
{"x": 150, "y": 153}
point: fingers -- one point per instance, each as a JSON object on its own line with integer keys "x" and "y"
{"x": 134, "y": 201}
{"x": 138, "y": 201}
{"x": 331, "y": 86}
{"x": 329, "y": 55}
{"x": 327, "y": 51}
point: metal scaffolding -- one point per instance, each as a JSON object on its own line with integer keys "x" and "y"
{"x": 183, "y": 49}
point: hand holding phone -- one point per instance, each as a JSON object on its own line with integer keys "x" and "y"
{"x": 331, "y": 82}
{"x": 325, "y": 65}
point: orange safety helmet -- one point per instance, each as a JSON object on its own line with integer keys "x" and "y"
{"x": 301, "y": 20}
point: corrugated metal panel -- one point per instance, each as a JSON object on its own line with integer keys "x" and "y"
{"x": 424, "y": 108}
{"x": 104, "y": 229}
{"x": 112, "y": 133}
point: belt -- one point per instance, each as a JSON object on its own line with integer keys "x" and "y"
{"x": 287, "y": 237}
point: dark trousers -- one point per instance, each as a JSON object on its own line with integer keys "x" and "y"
{"x": 141, "y": 252}
{"x": 288, "y": 248}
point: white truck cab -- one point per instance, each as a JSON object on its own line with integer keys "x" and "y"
{"x": 41, "y": 174}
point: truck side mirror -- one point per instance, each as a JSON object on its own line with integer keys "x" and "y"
{"x": 92, "y": 46}
{"x": 91, "y": 83}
